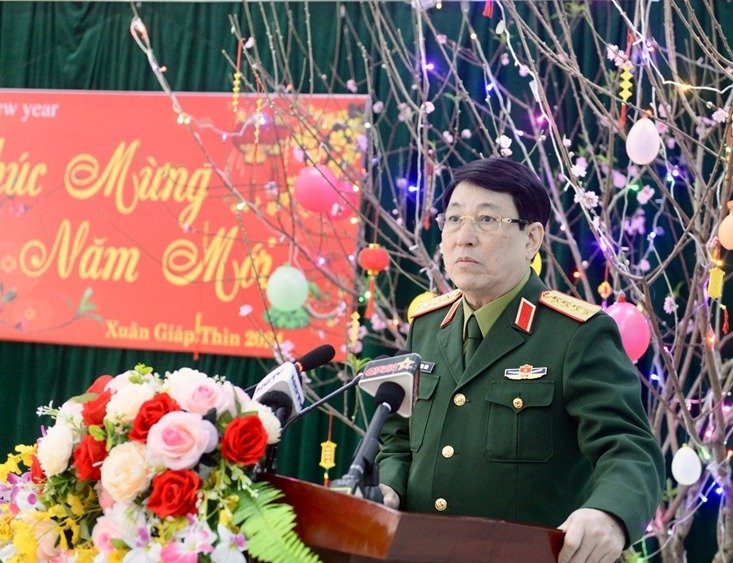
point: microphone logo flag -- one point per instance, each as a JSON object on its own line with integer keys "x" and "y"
{"x": 403, "y": 370}
{"x": 286, "y": 379}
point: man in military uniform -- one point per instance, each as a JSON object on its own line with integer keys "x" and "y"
{"x": 528, "y": 408}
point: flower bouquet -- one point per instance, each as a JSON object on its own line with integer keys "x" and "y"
{"x": 144, "y": 468}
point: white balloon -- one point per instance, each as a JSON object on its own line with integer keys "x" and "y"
{"x": 643, "y": 142}
{"x": 686, "y": 466}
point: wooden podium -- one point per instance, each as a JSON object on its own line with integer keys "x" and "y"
{"x": 340, "y": 527}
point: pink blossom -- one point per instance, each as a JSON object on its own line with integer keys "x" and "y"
{"x": 721, "y": 115}
{"x": 670, "y": 306}
{"x": 179, "y": 439}
{"x": 645, "y": 194}
{"x": 587, "y": 199}
{"x": 580, "y": 167}
{"x": 619, "y": 180}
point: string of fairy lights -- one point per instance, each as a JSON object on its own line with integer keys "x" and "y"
{"x": 638, "y": 199}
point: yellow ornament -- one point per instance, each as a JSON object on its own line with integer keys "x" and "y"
{"x": 626, "y": 85}
{"x": 715, "y": 283}
{"x": 426, "y": 296}
{"x": 328, "y": 455}
{"x": 537, "y": 263}
{"x": 605, "y": 290}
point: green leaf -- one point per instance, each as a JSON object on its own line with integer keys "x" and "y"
{"x": 97, "y": 433}
{"x": 143, "y": 369}
{"x": 269, "y": 527}
{"x": 10, "y": 295}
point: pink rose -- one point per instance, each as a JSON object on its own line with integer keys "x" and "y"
{"x": 178, "y": 440}
{"x": 200, "y": 394}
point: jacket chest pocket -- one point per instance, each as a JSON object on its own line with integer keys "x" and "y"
{"x": 421, "y": 409}
{"x": 519, "y": 422}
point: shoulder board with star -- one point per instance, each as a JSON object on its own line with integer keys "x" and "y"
{"x": 437, "y": 303}
{"x": 568, "y": 305}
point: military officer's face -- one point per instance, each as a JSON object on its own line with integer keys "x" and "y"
{"x": 483, "y": 261}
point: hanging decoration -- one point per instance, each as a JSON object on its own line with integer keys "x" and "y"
{"x": 626, "y": 84}
{"x": 715, "y": 281}
{"x": 643, "y": 142}
{"x": 373, "y": 259}
{"x": 633, "y": 326}
{"x": 686, "y": 466}
{"x": 287, "y": 288}
{"x": 328, "y": 453}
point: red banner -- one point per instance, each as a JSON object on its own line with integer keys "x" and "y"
{"x": 203, "y": 228}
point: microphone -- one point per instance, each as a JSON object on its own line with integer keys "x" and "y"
{"x": 317, "y": 357}
{"x": 389, "y": 397}
{"x": 282, "y": 390}
{"x": 402, "y": 369}
{"x": 280, "y": 403}
{"x": 354, "y": 381}
{"x": 285, "y": 382}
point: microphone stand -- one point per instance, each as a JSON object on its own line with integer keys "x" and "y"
{"x": 270, "y": 463}
{"x": 323, "y": 400}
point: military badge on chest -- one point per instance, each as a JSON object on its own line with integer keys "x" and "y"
{"x": 526, "y": 371}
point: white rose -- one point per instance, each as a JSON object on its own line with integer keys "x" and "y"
{"x": 70, "y": 413}
{"x": 269, "y": 420}
{"x": 125, "y": 403}
{"x": 125, "y": 471}
{"x": 234, "y": 396}
{"x": 123, "y": 380}
{"x": 181, "y": 375}
{"x": 54, "y": 449}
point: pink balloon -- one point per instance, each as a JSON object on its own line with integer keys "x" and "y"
{"x": 633, "y": 326}
{"x": 315, "y": 189}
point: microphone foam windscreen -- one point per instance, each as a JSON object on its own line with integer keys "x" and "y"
{"x": 277, "y": 400}
{"x": 391, "y": 393}
{"x": 316, "y": 357}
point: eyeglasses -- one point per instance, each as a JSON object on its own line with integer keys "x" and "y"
{"x": 484, "y": 223}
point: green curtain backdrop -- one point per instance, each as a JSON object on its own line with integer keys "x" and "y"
{"x": 88, "y": 46}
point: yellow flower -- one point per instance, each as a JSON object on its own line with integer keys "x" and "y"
{"x": 75, "y": 504}
{"x": 24, "y": 541}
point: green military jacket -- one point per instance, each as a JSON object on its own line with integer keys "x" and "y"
{"x": 546, "y": 418}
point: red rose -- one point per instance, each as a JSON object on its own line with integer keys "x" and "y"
{"x": 88, "y": 457}
{"x": 99, "y": 384}
{"x": 94, "y": 409}
{"x": 37, "y": 474}
{"x": 174, "y": 493}
{"x": 151, "y": 411}
{"x": 244, "y": 440}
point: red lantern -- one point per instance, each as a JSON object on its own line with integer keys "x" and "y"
{"x": 373, "y": 259}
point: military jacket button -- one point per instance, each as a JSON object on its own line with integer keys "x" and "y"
{"x": 518, "y": 403}
{"x": 441, "y": 504}
{"x": 448, "y": 452}
{"x": 459, "y": 400}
